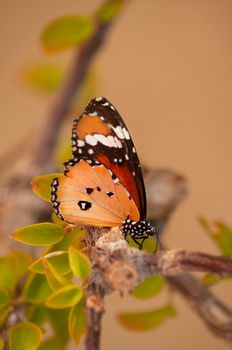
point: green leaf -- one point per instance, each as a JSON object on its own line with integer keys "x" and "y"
{"x": 57, "y": 220}
{"x": 44, "y": 76}
{"x": 66, "y": 32}
{"x": 64, "y": 297}
{"x": 54, "y": 278}
{"x": 79, "y": 263}
{"x": 63, "y": 150}
{"x": 37, "y": 314}
{"x": 58, "y": 259}
{"x": 149, "y": 288}
{"x": 8, "y": 278}
{"x": 59, "y": 323}
{"x": 41, "y": 185}
{"x": 77, "y": 322}
{"x": 36, "y": 289}
{"x": 145, "y": 321}
{"x": 12, "y": 268}
{"x": 41, "y": 234}
{"x": 220, "y": 233}
{"x": 74, "y": 237}
{"x": 24, "y": 336}
{"x": 4, "y": 298}
{"x": 51, "y": 343}
{"x": 109, "y": 10}
{"x": 22, "y": 262}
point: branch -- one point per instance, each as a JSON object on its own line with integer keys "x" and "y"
{"x": 120, "y": 267}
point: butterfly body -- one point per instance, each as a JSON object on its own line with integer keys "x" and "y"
{"x": 103, "y": 184}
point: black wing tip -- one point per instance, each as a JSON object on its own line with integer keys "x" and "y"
{"x": 99, "y": 102}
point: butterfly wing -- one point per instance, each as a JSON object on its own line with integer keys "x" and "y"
{"x": 88, "y": 195}
{"x": 100, "y": 134}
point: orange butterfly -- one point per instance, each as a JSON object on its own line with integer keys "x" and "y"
{"x": 103, "y": 184}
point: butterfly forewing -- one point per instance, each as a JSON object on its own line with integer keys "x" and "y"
{"x": 100, "y": 134}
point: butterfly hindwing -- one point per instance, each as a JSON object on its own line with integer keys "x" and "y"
{"x": 88, "y": 195}
{"x": 100, "y": 134}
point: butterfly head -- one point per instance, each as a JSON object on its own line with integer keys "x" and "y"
{"x": 138, "y": 230}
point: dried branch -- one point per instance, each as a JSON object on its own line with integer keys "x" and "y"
{"x": 120, "y": 267}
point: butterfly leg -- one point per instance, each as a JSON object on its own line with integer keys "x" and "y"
{"x": 140, "y": 244}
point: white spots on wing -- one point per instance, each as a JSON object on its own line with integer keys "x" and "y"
{"x": 80, "y": 143}
{"x": 112, "y": 107}
{"x": 112, "y": 141}
{"x": 102, "y": 118}
{"x": 103, "y": 140}
{"x": 73, "y": 142}
{"x": 90, "y": 151}
{"x": 118, "y": 142}
{"x": 126, "y": 157}
{"x": 109, "y": 141}
{"x": 115, "y": 160}
{"x": 55, "y": 182}
{"x": 98, "y": 99}
{"x": 79, "y": 150}
{"x": 126, "y": 133}
{"x": 105, "y": 104}
{"x": 133, "y": 173}
{"x": 93, "y": 114}
{"x": 133, "y": 149}
{"x": 119, "y": 132}
{"x": 139, "y": 166}
{"x": 74, "y": 148}
{"x": 91, "y": 140}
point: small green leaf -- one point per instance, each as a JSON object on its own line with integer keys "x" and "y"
{"x": 145, "y": 321}
{"x": 4, "y": 298}
{"x": 41, "y": 234}
{"x": 51, "y": 343}
{"x": 54, "y": 277}
{"x": 24, "y": 336}
{"x": 77, "y": 322}
{"x": 66, "y": 32}
{"x": 58, "y": 259}
{"x": 37, "y": 314}
{"x": 57, "y": 220}
{"x": 8, "y": 278}
{"x": 22, "y": 262}
{"x": 109, "y": 10}
{"x": 149, "y": 288}
{"x": 63, "y": 150}
{"x": 79, "y": 263}
{"x": 12, "y": 268}
{"x": 74, "y": 237}
{"x": 41, "y": 185}
{"x": 64, "y": 297}
{"x": 44, "y": 76}
{"x": 36, "y": 289}
{"x": 59, "y": 322}
{"x": 220, "y": 233}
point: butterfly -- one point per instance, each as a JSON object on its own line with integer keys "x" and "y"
{"x": 103, "y": 184}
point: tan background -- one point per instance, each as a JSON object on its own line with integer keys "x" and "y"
{"x": 167, "y": 66}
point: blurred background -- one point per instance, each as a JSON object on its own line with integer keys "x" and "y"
{"x": 167, "y": 67}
